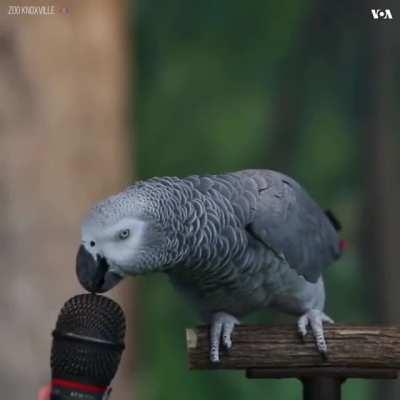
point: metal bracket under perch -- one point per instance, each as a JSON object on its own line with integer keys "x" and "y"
{"x": 265, "y": 352}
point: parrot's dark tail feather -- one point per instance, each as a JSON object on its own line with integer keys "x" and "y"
{"x": 334, "y": 221}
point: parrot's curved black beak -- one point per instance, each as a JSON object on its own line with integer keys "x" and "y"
{"x": 94, "y": 274}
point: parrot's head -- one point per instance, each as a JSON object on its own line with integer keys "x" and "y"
{"x": 119, "y": 237}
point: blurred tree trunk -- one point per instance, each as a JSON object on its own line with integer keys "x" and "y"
{"x": 317, "y": 39}
{"x": 290, "y": 103}
{"x": 381, "y": 220}
{"x": 63, "y": 145}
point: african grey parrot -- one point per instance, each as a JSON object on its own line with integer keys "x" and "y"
{"x": 231, "y": 243}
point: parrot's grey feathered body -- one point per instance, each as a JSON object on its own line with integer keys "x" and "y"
{"x": 232, "y": 244}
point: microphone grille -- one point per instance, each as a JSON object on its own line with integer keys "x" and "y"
{"x": 88, "y": 340}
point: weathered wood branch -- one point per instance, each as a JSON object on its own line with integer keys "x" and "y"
{"x": 278, "y": 351}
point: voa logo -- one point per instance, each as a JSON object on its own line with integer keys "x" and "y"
{"x": 377, "y": 13}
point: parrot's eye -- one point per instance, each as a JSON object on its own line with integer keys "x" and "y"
{"x": 92, "y": 243}
{"x": 124, "y": 234}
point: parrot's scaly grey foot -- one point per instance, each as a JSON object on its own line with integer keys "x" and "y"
{"x": 222, "y": 325}
{"x": 315, "y": 319}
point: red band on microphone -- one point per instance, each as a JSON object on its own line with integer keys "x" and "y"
{"x": 78, "y": 386}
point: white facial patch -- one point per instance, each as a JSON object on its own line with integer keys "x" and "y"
{"x": 118, "y": 243}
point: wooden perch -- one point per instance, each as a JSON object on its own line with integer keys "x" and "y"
{"x": 371, "y": 352}
{"x": 280, "y": 350}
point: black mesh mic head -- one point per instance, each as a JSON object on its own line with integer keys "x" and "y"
{"x": 88, "y": 340}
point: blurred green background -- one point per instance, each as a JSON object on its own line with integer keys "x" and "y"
{"x": 229, "y": 85}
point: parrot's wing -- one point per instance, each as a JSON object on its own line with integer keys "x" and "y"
{"x": 289, "y": 222}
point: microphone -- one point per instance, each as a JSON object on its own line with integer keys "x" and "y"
{"x": 87, "y": 346}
